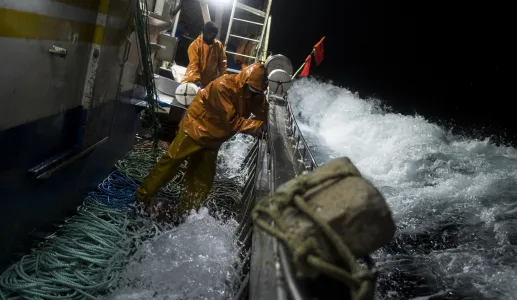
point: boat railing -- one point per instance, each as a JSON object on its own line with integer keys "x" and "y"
{"x": 244, "y": 232}
{"x": 282, "y": 155}
{"x": 302, "y": 160}
{"x": 302, "y": 150}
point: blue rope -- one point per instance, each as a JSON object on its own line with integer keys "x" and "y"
{"x": 86, "y": 255}
{"x": 116, "y": 191}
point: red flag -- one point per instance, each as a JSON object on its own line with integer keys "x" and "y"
{"x": 318, "y": 51}
{"x": 305, "y": 71}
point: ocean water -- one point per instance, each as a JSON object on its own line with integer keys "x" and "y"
{"x": 454, "y": 198}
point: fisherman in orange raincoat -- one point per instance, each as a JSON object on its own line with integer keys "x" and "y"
{"x": 218, "y": 112}
{"x": 245, "y": 48}
{"x": 207, "y": 59}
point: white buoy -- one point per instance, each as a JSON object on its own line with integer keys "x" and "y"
{"x": 186, "y": 92}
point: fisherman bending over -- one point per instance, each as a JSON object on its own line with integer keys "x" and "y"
{"x": 218, "y": 112}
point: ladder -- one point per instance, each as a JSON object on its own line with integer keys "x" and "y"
{"x": 264, "y": 35}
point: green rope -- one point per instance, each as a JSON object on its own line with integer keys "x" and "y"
{"x": 139, "y": 162}
{"x": 305, "y": 255}
{"x": 83, "y": 258}
{"x": 86, "y": 256}
{"x": 223, "y": 196}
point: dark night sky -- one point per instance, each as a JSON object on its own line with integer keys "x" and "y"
{"x": 446, "y": 60}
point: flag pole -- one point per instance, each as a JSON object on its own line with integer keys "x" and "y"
{"x": 303, "y": 65}
{"x": 310, "y": 55}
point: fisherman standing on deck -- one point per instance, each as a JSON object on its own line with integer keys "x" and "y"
{"x": 218, "y": 112}
{"x": 207, "y": 59}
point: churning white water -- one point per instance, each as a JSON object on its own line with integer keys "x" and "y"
{"x": 231, "y": 156}
{"x": 194, "y": 260}
{"x": 191, "y": 261}
{"x": 454, "y": 199}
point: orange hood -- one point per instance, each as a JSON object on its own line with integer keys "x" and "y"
{"x": 254, "y": 75}
{"x": 223, "y": 108}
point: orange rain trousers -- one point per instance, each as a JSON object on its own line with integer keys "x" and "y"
{"x": 198, "y": 178}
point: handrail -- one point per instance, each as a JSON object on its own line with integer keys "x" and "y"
{"x": 287, "y": 128}
{"x": 303, "y": 156}
{"x": 296, "y": 133}
{"x": 46, "y": 169}
{"x": 272, "y": 274}
{"x": 244, "y": 232}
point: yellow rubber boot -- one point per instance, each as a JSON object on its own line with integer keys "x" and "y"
{"x": 166, "y": 168}
{"x": 198, "y": 180}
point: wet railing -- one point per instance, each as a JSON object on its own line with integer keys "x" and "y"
{"x": 245, "y": 230}
{"x": 301, "y": 148}
{"x": 280, "y": 155}
{"x": 302, "y": 160}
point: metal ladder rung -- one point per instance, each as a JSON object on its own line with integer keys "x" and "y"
{"x": 242, "y": 20}
{"x": 232, "y": 70}
{"x": 244, "y": 38}
{"x": 250, "y": 9}
{"x": 235, "y": 53}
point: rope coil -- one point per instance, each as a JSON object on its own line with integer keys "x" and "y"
{"x": 87, "y": 254}
{"x": 307, "y": 256}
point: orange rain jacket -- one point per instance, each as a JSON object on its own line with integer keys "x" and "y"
{"x": 205, "y": 61}
{"x": 245, "y": 48}
{"x": 222, "y": 109}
